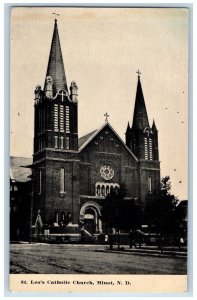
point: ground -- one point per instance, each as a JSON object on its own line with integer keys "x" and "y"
{"x": 87, "y": 259}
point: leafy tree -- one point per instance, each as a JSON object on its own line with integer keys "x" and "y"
{"x": 160, "y": 209}
{"x": 119, "y": 213}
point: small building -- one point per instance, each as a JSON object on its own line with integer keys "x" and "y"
{"x": 20, "y": 198}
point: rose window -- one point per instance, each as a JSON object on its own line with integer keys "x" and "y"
{"x": 107, "y": 172}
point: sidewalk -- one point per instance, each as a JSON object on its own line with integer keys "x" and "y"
{"x": 148, "y": 251}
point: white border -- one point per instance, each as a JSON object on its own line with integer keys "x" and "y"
{"x": 4, "y": 159}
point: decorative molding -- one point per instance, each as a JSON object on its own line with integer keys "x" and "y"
{"x": 91, "y": 197}
{"x": 85, "y": 163}
{"x": 62, "y": 159}
{"x": 150, "y": 169}
{"x": 90, "y": 204}
{"x": 108, "y": 156}
{"x": 128, "y": 167}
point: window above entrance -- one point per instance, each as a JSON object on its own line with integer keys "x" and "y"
{"x": 107, "y": 172}
{"x": 103, "y": 188}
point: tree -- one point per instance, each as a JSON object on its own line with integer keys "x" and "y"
{"x": 160, "y": 209}
{"x": 119, "y": 213}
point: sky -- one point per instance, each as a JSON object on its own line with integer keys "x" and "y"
{"x": 102, "y": 50}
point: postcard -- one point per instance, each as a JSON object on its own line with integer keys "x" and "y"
{"x": 98, "y": 149}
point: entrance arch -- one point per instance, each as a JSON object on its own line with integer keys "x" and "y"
{"x": 90, "y": 214}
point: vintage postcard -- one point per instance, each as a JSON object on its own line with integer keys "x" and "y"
{"x": 98, "y": 149}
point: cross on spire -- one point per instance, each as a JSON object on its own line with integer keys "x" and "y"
{"x": 106, "y": 117}
{"x": 55, "y": 67}
{"x": 56, "y": 15}
{"x": 139, "y": 73}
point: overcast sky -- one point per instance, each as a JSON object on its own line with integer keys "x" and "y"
{"x": 102, "y": 50}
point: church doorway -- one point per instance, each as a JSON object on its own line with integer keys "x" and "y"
{"x": 90, "y": 221}
{"x": 90, "y": 214}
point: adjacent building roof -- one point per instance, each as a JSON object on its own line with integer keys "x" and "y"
{"x": 18, "y": 171}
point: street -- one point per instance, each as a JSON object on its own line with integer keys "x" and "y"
{"x": 86, "y": 259}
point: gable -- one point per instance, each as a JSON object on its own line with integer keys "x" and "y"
{"x": 106, "y": 140}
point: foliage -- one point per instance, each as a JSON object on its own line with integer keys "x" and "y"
{"x": 160, "y": 209}
{"x": 119, "y": 213}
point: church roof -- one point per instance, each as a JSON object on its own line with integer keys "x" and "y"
{"x": 140, "y": 116}
{"x": 18, "y": 171}
{"x": 89, "y": 137}
{"x": 55, "y": 67}
{"x": 82, "y": 140}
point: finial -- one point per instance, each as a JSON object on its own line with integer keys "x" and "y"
{"x": 55, "y": 18}
{"x": 106, "y": 117}
{"x": 139, "y": 73}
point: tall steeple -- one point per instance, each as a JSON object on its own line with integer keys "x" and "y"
{"x": 140, "y": 138}
{"x": 55, "y": 158}
{"x": 55, "y": 67}
{"x": 143, "y": 142}
{"x": 140, "y": 117}
{"x": 56, "y": 106}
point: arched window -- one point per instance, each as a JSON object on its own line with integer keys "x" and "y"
{"x": 62, "y": 180}
{"x": 56, "y": 217}
{"x": 67, "y": 143}
{"x": 61, "y": 118}
{"x": 107, "y": 190}
{"x": 150, "y": 184}
{"x": 145, "y": 148}
{"x": 56, "y": 119}
{"x": 150, "y": 149}
{"x": 67, "y": 119}
{"x": 116, "y": 189}
{"x": 69, "y": 215}
{"x": 98, "y": 191}
{"x": 63, "y": 216}
{"x": 61, "y": 142}
{"x": 40, "y": 182}
{"x": 103, "y": 190}
{"x": 111, "y": 189}
{"x": 56, "y": 141}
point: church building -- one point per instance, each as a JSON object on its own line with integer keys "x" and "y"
{"x": 71, "y": 175}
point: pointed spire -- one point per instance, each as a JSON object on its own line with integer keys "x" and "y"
{"x": 128, "y": 128}
{"x": 55, "y": 67}
{"x": 140, "y": 117}
{"x": 154, "y": 128}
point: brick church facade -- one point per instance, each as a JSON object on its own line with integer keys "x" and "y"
{"x": 71, "y": 175}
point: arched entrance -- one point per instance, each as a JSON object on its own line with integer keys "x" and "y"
{"x": 90, "y": 220}
{"x": 90, "y": 214}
